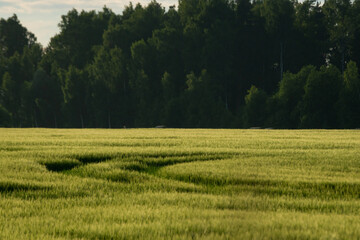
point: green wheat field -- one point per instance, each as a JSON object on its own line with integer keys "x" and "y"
{"x": 179, "y": 184}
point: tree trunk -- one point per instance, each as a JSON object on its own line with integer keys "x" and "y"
{"x": 343, "y": 61}
{"x": 342, "y": 55}
{"x": 109, "y": 119}
{"x": 124, "y": 87}
{"x": 82, "y": 120}
{"x": 55, "y": 122}
{"x": 281, "y": 60}
{"x": 36, "y": 124}
{"x": 226, "y": 102}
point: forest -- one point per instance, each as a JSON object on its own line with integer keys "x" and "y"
{"x": 201, "y": 64}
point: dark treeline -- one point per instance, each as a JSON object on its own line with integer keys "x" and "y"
{"x": 206, "y": 63}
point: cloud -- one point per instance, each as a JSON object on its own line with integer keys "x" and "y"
{"x": 41, "y": 17}
{"x": 43, "y": 6}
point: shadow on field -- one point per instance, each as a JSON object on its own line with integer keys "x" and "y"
{"x": 87, "y": 159}
{"x": 8, "y": 187}
{"x": 123, "y": 167}
{"x": 60, "y": 166}
{"x": 138, "y": 168}
{"x": 66, "y": 164}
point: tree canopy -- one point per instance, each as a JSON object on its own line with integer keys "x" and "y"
{"x": 218, "y": 63}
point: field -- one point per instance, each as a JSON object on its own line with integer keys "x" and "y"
{"x": 179, "y": 184}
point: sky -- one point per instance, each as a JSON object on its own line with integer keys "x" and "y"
{"x": 42, "y": 17}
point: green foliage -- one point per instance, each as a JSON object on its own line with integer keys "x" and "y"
{"x": 13, "y": 36}
{"x": 5, "y": 117}
{"x": 351, "y": 78}
{"x": 255, "y": 112}
{"x": 286, "y": 112}
{"x": 47, "y": 96}
{"x": 7, "y": 97}
{"x": 349, "y": 101}
{"x": 75, "y": 94}
{"x": 279, "y": 17}
{"x": 190, "y": 66}
{"x": 201, "y": 101}
{"x": 79, "y": 33}
{"x": 109, "y": 83}
{"x": 168, "y": 86}
{"x": 340, "y": 26}
{"x": 314, "y": 42}
{"x": 321, "y": 93}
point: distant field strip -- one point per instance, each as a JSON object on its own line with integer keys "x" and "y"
{"x": 179, "y": 184}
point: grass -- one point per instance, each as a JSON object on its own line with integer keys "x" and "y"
{"x": 179, "y": 184}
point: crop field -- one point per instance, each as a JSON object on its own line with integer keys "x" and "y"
{"x": 179, "y": 184}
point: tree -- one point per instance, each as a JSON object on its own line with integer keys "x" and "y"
{"x": 47, "y": 99}
{"x": 286, "y": 112}
{"x": 354, "y": 46}
{"x": 167, "y": 44}
{"x": 321, "y": 94}
{"x": 7, "y": 95}
{"x": 339, "y": 19}
{"x": 3, "y": 65}
{"x": 255, "y": 108}
{"x": 5, "y": 117}
{"x": 191, "y": 66}
{"x": 75, "y": 91}
{"x": 168, "y": 87}
{"x": 173, "y": 110}
{"x": 110, "y": 84}
{"x": 201, "y": 108}
{"x": 137, "y": 23}
{"x": 218, "y": 18}
{"x": 253, "y": 59}
{"x": 12, "y": 87}
{"x": 349, "y": 102}
{"x": 14, "y": 37}
{"x": 312, "y": 37}
{"x": 189, "y": 11}
{"x": 243, "y": 11}
{"x": 79, "y": 33}
{"x": 145, "y": 82}
{"x": 279, "y": 19}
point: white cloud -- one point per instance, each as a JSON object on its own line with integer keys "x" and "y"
{"x": 36, "y": 6}
{"x": 7, "y": 9}
{"x": 41, "y": 17}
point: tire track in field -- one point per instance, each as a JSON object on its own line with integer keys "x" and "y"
{"x": 149, "y": 164}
